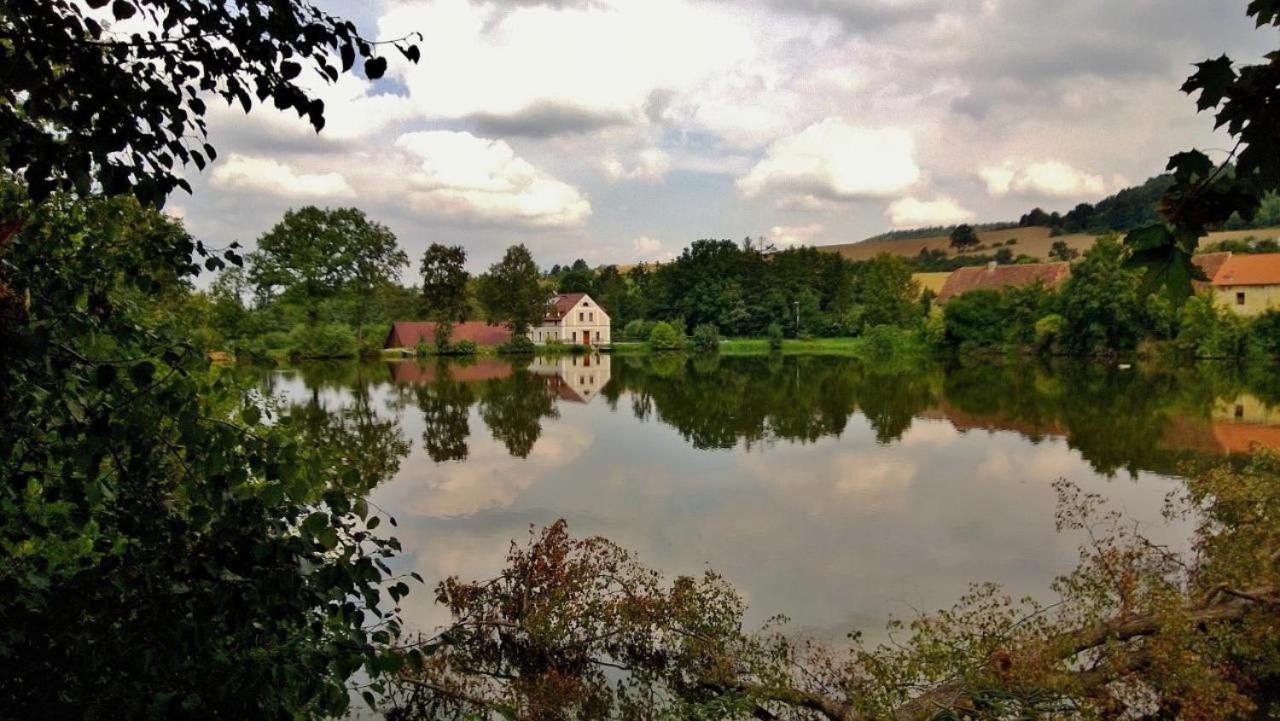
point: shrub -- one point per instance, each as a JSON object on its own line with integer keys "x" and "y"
{"x": 883, "y": 341}
{"x": 1049, "y": 333}
{"x": 421, "y": 350}
{"x": 664, "y": 337}
{"x": 1207, "y": 330}
{"x": 637, "y": 329}
{"x": 935, "y": 328}
{"x": 774, "y": 335}
{"x": 325, "y": 340}
{"x": 976, "y": 319}
{"x": 1264, "y": 333}
{"x": 464, "y": 347}
{"x": 706, "y": 337}
{"x": 518, "y": 344}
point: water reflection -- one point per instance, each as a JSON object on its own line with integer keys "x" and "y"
{"x": 835, "y": 491}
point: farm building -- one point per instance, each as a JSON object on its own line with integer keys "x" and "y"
{"x": 407, "y": 334}
{"x": 573, "y": 318}
{"x": 998, "y": 277}
{"x": 1248, "y": 283}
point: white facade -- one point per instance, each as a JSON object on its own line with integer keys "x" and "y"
{"x": 576, "y": 378}
{"x": 573, "y": 319}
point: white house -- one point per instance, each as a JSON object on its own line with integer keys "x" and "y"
{"x": 573, "y": 318}
{"x": 576, "y": 378}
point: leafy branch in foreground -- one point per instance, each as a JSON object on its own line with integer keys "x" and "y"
{"x": 578, "y": 629}
{"x": 82, "y": 103}
{"x": 1204, "y": 195}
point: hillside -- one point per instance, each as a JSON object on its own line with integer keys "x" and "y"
{"x": 1035, "y": 242}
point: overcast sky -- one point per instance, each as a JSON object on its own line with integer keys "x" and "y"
{"x": 621, "y": 130}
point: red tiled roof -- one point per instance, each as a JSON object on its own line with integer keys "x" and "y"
{"x": 963, "y": 280}
{"x": 562, "y": 304}
{"x": 406, "y": 334}
{"x": 1210, "y": 263}
{"x": 1249, "y": 269}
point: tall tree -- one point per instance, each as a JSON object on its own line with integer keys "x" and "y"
{"x": 964, "y": 237}
{"x": 314, "y": 253}
{"x": 510, "y": 292}
{"x": 887, "y": 291}
{"x": 444, "y": 288}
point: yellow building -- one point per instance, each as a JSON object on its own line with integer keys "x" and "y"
{"x": 1248, "y": 283}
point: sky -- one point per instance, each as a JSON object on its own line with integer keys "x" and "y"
{"x": 620, "y": 131}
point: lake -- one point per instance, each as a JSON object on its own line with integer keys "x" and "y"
{"x": 838, "y": 492}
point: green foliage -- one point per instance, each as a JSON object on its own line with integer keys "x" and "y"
{"x": 1048, "y": 333}
{"x": 665, "y": 337}
{"x": 773, "y": 334}
{"x": 1062, "y": 252}
{"x": 61, "y": 59}
{"x": 518, "y": 345}
{"x": 1264, "y": 334}
{"x": 887, "y": 293}
{"x": 445, "y": 288}
{"x": 168, "y": 551}
{"x": 1204, "y": 195}
{"x": 1101, "y": 306}
{"x": 964, "y": 237}
{"x": 315, "y": 253}
{"x": 705, "y": 338}
{"x": 638, "y": 329}
{"x": 465, "y": 347}
{"x": 511, "y": 293}
{"x": 975, "y": 319}
{"x": 1208, "y": 330}
{"x": 327, "y": 340}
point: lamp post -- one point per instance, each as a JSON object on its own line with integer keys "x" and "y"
{"x": 797, "y": 305}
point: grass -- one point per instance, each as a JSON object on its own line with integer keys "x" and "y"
{"x": 861, "y": 347}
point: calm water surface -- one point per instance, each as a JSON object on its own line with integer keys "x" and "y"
{"x": 827, "y": 489}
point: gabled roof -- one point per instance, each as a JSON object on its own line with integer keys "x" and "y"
{"x": 1249, "y": 269}
{"x": 997, "y": 277}
{"x": 565, "y": 302}
{"x": 1210, "y": 263}
{"x": 407, "y": 334}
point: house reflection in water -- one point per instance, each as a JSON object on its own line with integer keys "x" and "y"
{"x": 574, "y": 378}
{"x": 1246, "y": 421}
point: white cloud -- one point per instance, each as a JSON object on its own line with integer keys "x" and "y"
{"x": 793, "y": 234}
{"x": 832, "y": 160}
{"x": 646, "y": 245}
{"x": 650, "y": 165}
{"x": 250, "y": 174}
{"x": 460, "y": 176}
{"x": 911, "y": 212}
{"x": 550, "y": 62}
{"x": 1049, "y": 178}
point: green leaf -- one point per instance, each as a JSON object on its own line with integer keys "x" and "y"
{"x": 251, "y": 415}
{"x": 1212, "y": 79}
{"x": 1190, "y": 164}
{"x": 1148, "y": 238}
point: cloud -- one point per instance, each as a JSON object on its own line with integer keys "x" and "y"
{"x": 250, "y": 174}
{"x": 1047, "y": 178}
{"x": 650, "y": 165}
{"x": 786, "y": 235}
{"x": 646, "y": 245}
{"x": 545, "y": 69}
{"x": 911, "y": 212}
{"x": 460, "y": 176}
{"x": 832, "y": 160}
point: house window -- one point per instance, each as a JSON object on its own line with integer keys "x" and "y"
{"x": 593, "y": 317}
{"x": 1240, "y": 298}
{"x": 581, "y": 316}
{"x": 575, "y": 336}
{"x": 1239, "y": 411}
{"x": 597, "y": 336}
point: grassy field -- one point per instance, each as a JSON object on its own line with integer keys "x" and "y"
{"x": 1034, "y": 242}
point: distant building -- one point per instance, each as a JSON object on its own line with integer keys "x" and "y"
{"x": 573, "y": 318}
{"x": 1248, "y": 283}
{"x": 993, "y": 276}
{"x": 407, "y": 334}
